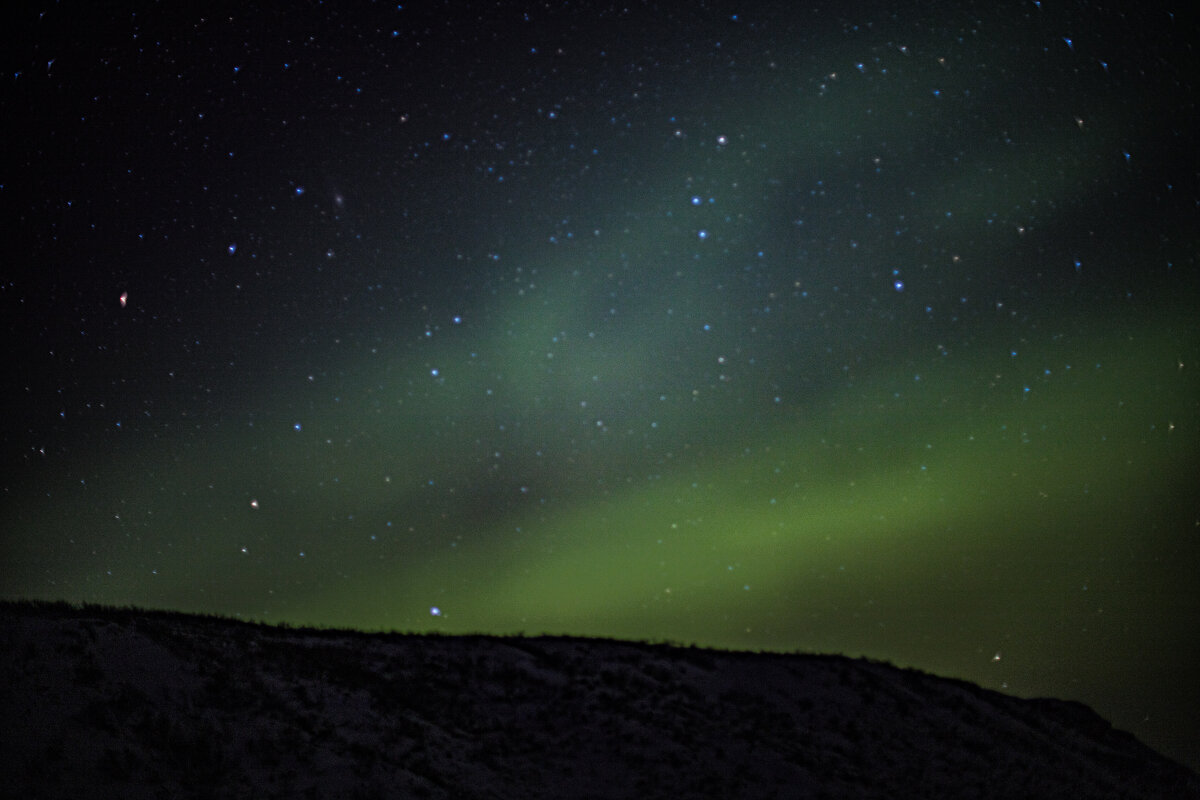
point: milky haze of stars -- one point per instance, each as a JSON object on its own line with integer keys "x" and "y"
{"x": 867, "y": 331}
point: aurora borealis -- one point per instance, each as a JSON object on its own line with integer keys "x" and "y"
{"x": 765, "y": 326}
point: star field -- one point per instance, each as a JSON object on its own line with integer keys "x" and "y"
{"x": 756, "y": 326}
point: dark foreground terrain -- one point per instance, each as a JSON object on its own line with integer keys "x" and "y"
{"x": 99, "y": 702}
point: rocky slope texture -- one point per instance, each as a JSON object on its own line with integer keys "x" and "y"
{"x": 121, "y": 703}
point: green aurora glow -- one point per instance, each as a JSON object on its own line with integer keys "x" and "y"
{"x": 549, "y": 404}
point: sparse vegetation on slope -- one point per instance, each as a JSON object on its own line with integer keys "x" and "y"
{"x": 127, "y": 703}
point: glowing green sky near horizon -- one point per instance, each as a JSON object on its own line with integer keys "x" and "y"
{"x": 876, "y": 339}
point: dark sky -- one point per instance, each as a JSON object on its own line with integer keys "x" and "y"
{"x": 750, "y": 325}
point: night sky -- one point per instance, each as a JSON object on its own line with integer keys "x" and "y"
{"x": 749, "y": 325}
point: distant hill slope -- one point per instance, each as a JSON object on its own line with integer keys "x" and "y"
{"x": 101, "y": 702}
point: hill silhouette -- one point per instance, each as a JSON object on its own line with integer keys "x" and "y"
{"x": 104, "y": 702}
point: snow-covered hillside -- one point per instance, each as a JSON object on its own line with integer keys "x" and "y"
{"x": 120, "y": 703}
